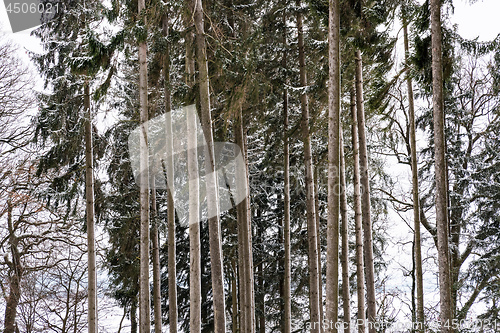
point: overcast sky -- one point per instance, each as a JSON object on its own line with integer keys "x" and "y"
{"x": 477, "y": 20}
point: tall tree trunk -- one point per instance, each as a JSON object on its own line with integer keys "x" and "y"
{"x": 144, "y": 297}
{"x": 262, "y": 301}
{"x": 365, "y": 198}
{"x": 156, "y": 262}
{"x": 360, "y": 275}
{"x": 312, "y": 234}
{"x": 194, "y": 224}
{"x": 318, "y": 242}
{"x": 241, "y": 274}
{"x": 415, "y": 191}
{"x": 89, "y": 196}
{"x": 440, "y": 168}
{"x": 281, "y": 268}
{"x": 172, "y": 271}
{"x": 15, "y": 277}
{"x": 244, "y": 218}
{"x": 281, "y": 286}
{"x": 211, "y": 180}
{"x": 247, "y": 302}
{"x": 345, "y": 240}
{"x": 332, "y": 234}
{"x": 195, "y": 296}
{"x": 287, "y": 319}
{"x": 234, "y": 294}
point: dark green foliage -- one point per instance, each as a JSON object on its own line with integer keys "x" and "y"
{"x": 73, "y": 55}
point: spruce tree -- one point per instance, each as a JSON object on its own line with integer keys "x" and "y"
{"x": 74, "y": 57}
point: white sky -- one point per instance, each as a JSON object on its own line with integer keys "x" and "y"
{"x": 480, "y": 19}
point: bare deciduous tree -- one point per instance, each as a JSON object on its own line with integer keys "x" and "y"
{"x": 16, "y": 98}
{"x": 32, "y": 236}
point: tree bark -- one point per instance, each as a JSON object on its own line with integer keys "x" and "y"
{"x": 247, "y": 302}
{"x": 144, "y": 297}
{"x": 440, "y": 168}
{"x": 365, "y": 199}
{"x": 415, "y": 190}
{"x": 89, "y": 197}
{"x": 318, "y": 242}
{"x": 211, "y": 180}
{"x": 312, "y": 234}
{"x": 345, "y": 240}
{"x": 332, "y": 261}
{"x": 287, "y": 319}
{"x": 360, "y": 275}
{"x": 234, "y": 295}
{"x": 262, "y": 305}
{"x": 156, "y": 262}
{"x": 171, "y": 265}
{"x": 194, "y": 225}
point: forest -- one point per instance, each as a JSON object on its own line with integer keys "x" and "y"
{"x": 250, "y": 166}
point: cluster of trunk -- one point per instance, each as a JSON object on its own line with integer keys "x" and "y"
{"x": 337, "y": 201}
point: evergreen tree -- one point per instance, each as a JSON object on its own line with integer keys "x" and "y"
{"x": 74, "y": 57}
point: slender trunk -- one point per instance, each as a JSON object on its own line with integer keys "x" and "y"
{"x": 15, "y": 277}
{"x": 234, "y": 295}
{"x": 89, "y": 196}
{"x": 194, "y": 224}
{"x": 144, "y": 298}
{"x": 241, "y": 272}
{"x": 244, "y": 217}
{"x": 195, "y": 297}
{"x": 454, "y": 231}
{"x": 76, "y": 316}
{"x": 454, "y": 222}
{"x": 281, "y": 268}
{"x": 287, "y": 319}
{"x": 345, "y": 240}
{"x": 171, "y": 267}
{"x": 190, "y": 58}
{"x": 440, "y": 168}
{"x": 242, "y": 251}
{"x": 332, "y": 259}
{"x": 360, "y": 275}
{"x": 413, "y": 287}
{"x": 415, "y": 190}
{"x": 365, "y": 198}
{"x": 248, "y": 243}
{"x": 311, "y": 223}
{"x": 121, "y": 321}
{"x": 211, "y": 180}
{"x": 262, "y": 317}
{"x": 156, "y": 262}
{"x": 247, "y": 303}
{"x": 318, "y": 241}
{"x": 133, "y": 318}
